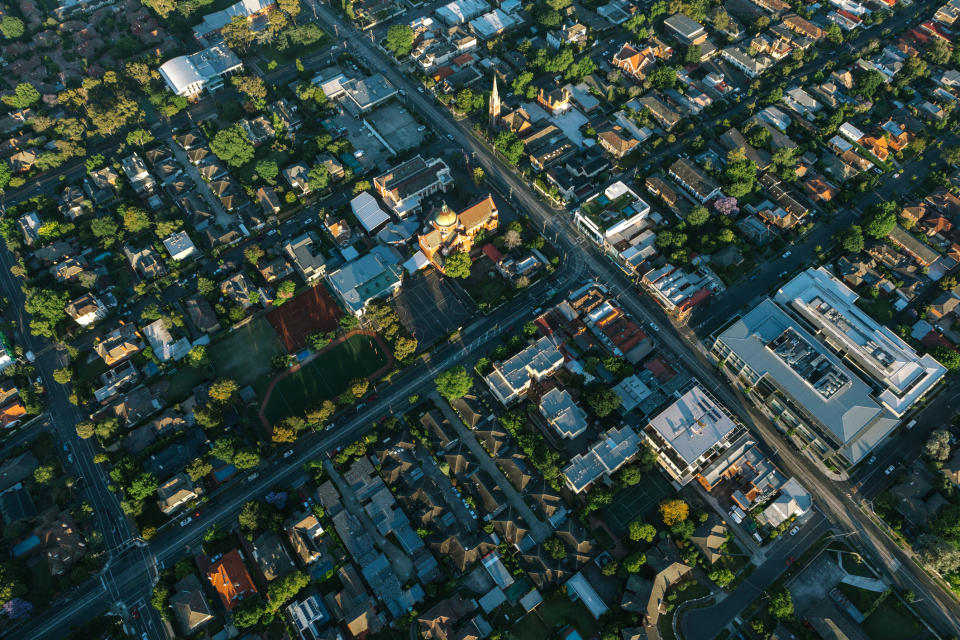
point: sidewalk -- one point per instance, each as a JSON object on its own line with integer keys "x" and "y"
{"x": 539, "y": 530}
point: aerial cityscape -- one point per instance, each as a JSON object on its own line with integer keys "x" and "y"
{"x": 480, "y": 319}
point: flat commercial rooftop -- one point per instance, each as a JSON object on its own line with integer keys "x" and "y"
{"x": 854, "y": 418}
{"x": 693, "y": 424}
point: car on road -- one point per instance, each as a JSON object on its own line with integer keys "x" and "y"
{"x": 790, "y": 560}
{"x": 872, "y": 460}
{"x": 288, "y": 453}
{"x": 889, "y": 469}
{"x": 420, "y": 89}
{"x": 186, "y": 521}
{"x": 654, "y": 327}
{"x": 135, "y": 613}
{"x": 794, "y": 531}
{"x": 787, "y": 254}
{"x": 450, "y": 137}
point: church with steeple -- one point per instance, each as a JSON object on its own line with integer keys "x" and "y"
{"x": 494, "y": 106}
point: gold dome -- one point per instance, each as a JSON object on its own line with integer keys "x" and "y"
{"x": 445, "y": 217}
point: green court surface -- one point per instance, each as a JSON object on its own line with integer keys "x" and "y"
{"x": 324, "y": 377}
{"x": 640, "y": 500}
{"x": 244, "y": 354}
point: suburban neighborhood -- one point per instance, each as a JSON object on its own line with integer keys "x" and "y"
{"x": 480, "y": 319}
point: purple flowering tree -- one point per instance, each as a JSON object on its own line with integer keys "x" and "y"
{"x": 277, "y": 499}
{"x": 726, "y": 205}
{"x": 17, "y": 608}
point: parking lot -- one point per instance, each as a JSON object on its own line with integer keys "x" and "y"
{"x": 430, "y": 308}
{"x": 374, "y": 155}
{"x": 395, "y": 125}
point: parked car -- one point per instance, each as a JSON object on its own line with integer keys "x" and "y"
{"x": 890, "y": 469}
{"x": 872, "y": 460}
{"x": 794, "y": 531}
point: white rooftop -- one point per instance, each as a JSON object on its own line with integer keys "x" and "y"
{"x": 902, "y": 374}
{"x": 693, "y": 424}
{"x": 368, "y": 212}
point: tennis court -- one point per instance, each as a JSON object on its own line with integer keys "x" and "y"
{"x": 325, "y": 376}
{"x": 640, "y": 500}
{"x": 312, "y": 311}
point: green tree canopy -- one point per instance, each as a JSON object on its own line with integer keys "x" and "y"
{"x": 458, "y": 265}
{"x": 603, "y": 401}
{"x": 24, "y": 95}
{"x": 11, "y": 27}
{"x": 851, "y": 239}
{"x": 232, "y": 146}
{"x": 880, "y": 219}
{"x": 453, "y": 383}
{"x": 781, "y": 604}
{"x": 399, "y": 40}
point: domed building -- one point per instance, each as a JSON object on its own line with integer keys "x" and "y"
{"x": 449, "y": 231}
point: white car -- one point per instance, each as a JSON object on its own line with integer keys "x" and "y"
{"x": 288, "y": 453}
{"x": 872, "y": 460}
{"x": 794, "y": 531}
{"x": 186, "y": 521}
{"x": 787, "y": 254}
{"x": 889, "y": 470}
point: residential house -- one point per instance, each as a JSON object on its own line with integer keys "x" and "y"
{"x": 180, "y": 246}
{"x": 305, "y": 254}
{"x": 190, "y": 607}
{"x": 695, "y": 180}
{"x": 296, "y": 177}
{"x": 164, "y": 346}
{"x": 176, "y": 492}
{"x": 202, "y": 314}
{"x": 86, "y": 309}
{"x": 238, "y": 289}
{"x": 118, "y": 345}
{"x": 228, "y": 576}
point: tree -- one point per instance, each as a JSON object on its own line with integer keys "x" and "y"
{"x": 205, "y": 286}
{"x": 663, "y": 77}
{"x": 321, "y": 413}
{"x": 222, "y": 390}
{"x": 251, "y": 86}
{"x": 290, "y": 7}
{"x": 198, "y": 469}
{"x": 512, "y": 239}
{"x": 399, "y": 40}
{"x": 63, "y": 376}
{"x": 781, "y": 605}
{"x": 268, "y": 170}
{"x": 453, "y": 383}
{"x": 937, "y": 554}
{"x": 246, "y": 459}
{"x": 44, "y": 474}
{"x": 739, "y": 174}
{"x": 6, "y": 175}
{"x": 106, "y": 429}
{"x": 249, "y": 516}
{"x": 947, "y": 357}
{"x": 318, "y": 177}
{"x": 283, "y": 589}
{"x": 17, "y": 608}
{"x": 640, "y": 531}
{"x": 358, "y": 387}
{"x": 851, "y": 239}
{"x": 85, "y": 429}
{"x": 161, "y": 593}
{"x": 24, "y": 95}
{"x": 952, "y": 155}
{"x": 252, "y": 254}
{"x": 283, "y": 434}
{"x": 631, "y": 476}
{"x": 880, "y": 220}
{"x": 633, "y": 562}
{"x": 143, "y": 486}
{"x": 238, "y": 34}
{"x": 232, "y": 146}
{"x": 139, "y": 137}
{"x": 11, "y": 27}
{"x": 478, "y": 175}
{"x": 404, "y": 348}
{"x": 937, "y": 446}
{"x": 135, "y": 219}
{"x": 698, "y": 216}
{"x": 286, "y": 289}
{"x": 721, "y": 577}
{"x": 248, "y": 614}
{"x": 603, "y": 401}
{"x": 674, "y": 511}
{"x": 458, "y": 265}
{"x": 510, "y": 146}
{"x": 555, "y": 547}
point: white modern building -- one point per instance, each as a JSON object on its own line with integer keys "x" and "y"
{"x": 823, "y": 368}
{"x": 691, "y": 432}
{"x": 188, "y": 76}
{"x": 563, "y": 414}
{"x": 511, "y": 378}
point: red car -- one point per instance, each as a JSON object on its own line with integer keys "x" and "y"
{"x": 790, "y": 561}
{"x": 135, "y": 612}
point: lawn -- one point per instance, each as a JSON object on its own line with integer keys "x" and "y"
{"x": 638, "y": 501}
{"x": 860, "y": 598}
{"x": 181, "y": 382}
{"x": 325, "y": 377}
{"x": 244, "y": 354}
{"x": 692, "y": 591}
{"x": 555, "y": 614}
{"x": 893, "y": 621}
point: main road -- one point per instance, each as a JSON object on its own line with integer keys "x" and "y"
{"x": 939, "y": 607}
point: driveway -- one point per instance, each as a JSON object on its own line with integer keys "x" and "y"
{"x": 224, "y": 219}
{"x": 538, "y": 528}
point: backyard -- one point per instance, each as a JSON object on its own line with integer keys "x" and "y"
{"x": 638, "y": 501}
{"x": 555, "y": 614}
{"x": 325, "y": 376}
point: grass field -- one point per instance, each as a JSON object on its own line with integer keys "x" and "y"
{"x": 639, "y": 500}
{"x": 325, "y": 377}
{"x": 555, "y": 614}
{"x": 244, "y": 355}
{"x": 893, "y": 621}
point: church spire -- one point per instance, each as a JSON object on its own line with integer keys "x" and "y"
{"x": 494, "y": 105}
